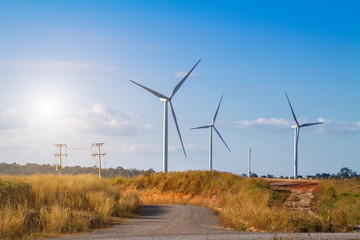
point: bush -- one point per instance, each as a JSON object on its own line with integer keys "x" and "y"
{"x": 15, "y": 193}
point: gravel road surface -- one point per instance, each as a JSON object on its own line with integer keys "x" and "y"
{"x": 181, "y": 222}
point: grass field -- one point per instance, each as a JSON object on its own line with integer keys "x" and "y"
{"x": 46, "y": 205}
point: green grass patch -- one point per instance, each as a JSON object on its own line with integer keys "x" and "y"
{"x": 338, "y": 202}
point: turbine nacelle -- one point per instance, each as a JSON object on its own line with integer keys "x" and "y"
{"x": 295, "y": 126}
{"x": 165, "y": 99}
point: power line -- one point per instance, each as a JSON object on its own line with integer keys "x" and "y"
{"x": 82, "y": 148}
{"x": 12, "y": 156}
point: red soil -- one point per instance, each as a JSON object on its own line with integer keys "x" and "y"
{"x": 291, "y": 184}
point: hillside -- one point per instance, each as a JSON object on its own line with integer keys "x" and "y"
{"x": 256, "y": 204}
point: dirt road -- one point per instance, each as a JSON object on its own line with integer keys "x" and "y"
{"x": 181, "y": 222}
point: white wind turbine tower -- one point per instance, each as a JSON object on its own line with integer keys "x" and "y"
{"x": 167, "y": 100}
{"x": 211, "y": 127}
{"x": 296, "y": 137}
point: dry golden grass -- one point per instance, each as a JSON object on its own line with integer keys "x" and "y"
{"x": 44, "y": 205}
{"x": 62, "y": 204}
{"x": 241, "y": 203}
{"x": 12, "y": 223}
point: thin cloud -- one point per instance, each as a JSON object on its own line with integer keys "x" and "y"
{"x": 157, "y": 148}
{"x": 141, "y": 148}
{"x": 188, "y": 148}
{"x": 330, "y": 126}
{"x": 103, "y": 120}
{"x": 323, "y": 120}
{"x": 261, "y": 123}
{"x": 59, "y": 65}
{"x": 11, "y": 119}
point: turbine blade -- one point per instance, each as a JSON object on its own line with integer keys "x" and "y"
{"x": 182, "y": 81}
{"x": 177, "y": 127}
{"x": 310, "y": 124}
{"x": 297, "y": 123}
{"x": 150, "y": 90}
{"x": 200, "y": 127}
{"x": 217, "y": 110}
{"x": 222, "y": 138}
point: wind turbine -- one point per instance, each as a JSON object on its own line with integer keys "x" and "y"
{"x": 167, "y": 100}
{"x": 296, "y": 136}
{"x": 211, "y": 127}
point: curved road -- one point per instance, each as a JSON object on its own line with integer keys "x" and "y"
{"x": 181, "y": 222}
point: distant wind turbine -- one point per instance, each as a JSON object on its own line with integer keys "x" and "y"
{"x": 296, "y": 136}
{"x": 211, "y": 127}
{"x": 167, "y": 100}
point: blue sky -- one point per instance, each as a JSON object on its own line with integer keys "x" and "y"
{"x": 65, "y": 68}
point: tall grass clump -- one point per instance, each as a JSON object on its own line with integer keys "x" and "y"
{"x": 14, "y": 193}
{"x": 338, "y": 203}
{"x": 51, "y": 205}
{"x": 241, "y": 203}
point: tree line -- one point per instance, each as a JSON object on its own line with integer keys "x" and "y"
{"x": 344, "y": 172}
{"x": 34, "y": 168}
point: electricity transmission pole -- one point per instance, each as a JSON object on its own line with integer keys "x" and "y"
{"x": 250, "y": 162}
{"x": 99, "y": 154}
{"x": 59, "y": 168}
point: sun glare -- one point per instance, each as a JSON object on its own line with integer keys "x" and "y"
{"x": 47, "y": 108}
{"x": 45, "y": 105}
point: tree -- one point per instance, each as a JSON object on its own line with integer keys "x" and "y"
{"x": 325, "y": 175}
{"x": 346, "y": 172}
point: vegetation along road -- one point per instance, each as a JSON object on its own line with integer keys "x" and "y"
{"x": 188, "y": 222}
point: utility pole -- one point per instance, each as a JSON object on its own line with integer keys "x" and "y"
{"x": 59, "y": 168}
{"x": 250, "y": 162}
{"x": 99, "y": 154}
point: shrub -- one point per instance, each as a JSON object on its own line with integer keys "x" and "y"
{"x": 15, "y": 193}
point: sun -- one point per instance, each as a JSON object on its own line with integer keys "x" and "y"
{"x": 46, "y": 104}
{"x": 47, "y": 107}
